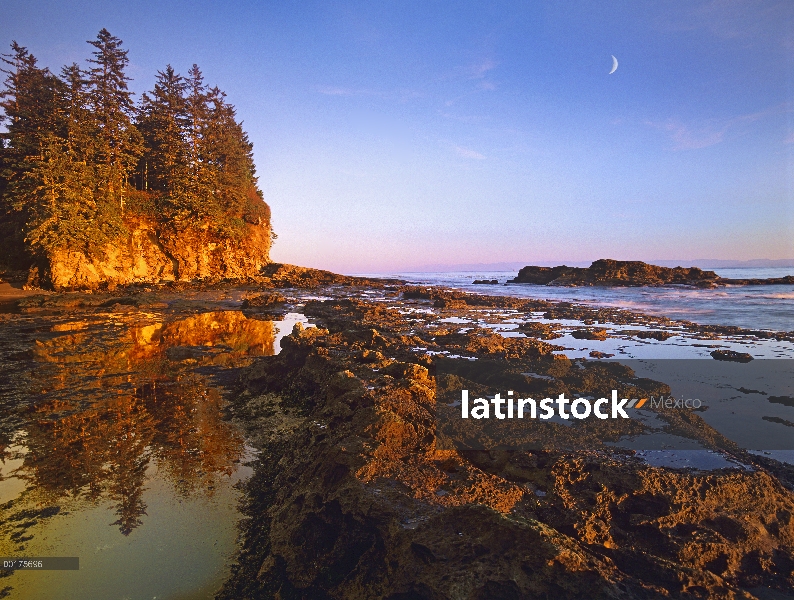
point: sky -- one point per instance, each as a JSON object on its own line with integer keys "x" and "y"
{"x": 393, "y": 135}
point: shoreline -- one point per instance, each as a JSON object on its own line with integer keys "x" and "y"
{"x": 284, "y": 276}
{"x": 759, "y": 307}
{"x": 350, "y": 465}
{"x": 14, "y": 291}
{"x": 344, "y": 419}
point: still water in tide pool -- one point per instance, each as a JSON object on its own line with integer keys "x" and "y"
{"x": 115, "y": 449}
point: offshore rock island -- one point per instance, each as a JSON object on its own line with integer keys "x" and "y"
{"x": 608, "y": 272}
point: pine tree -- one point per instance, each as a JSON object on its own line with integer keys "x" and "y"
{"x": 30, "y": 102}
{"x": 201, "y": 181}
{"x": 119, "y": 143}
{"x": 61, "y": 198}
{"x": 31, "y": 106}
{"x": 163, "y": 122}
{"x": 75, "y": 143}
{"x": 231, "y": 154}
{"x": 79, "y": 125}
{"x": 198, "y": 158}
{"x": 196, "y": 105}
{"x": 63, "y": 212}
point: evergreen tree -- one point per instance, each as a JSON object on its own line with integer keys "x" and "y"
{"x": 196, "y": 105}
{"x": 80, "y": 129}
{"x": 198, "y": 159}
{"x": 63, "y": 213}
{"x": 74, "y": 143}
{"x": 119, "y": 143}
{"x": 31, "y": 106}
{"x": 230, "y": 154}
{"x": 202, "y": 177}
{"x": 163, "y": 122}
{"x": 30, "y": 102}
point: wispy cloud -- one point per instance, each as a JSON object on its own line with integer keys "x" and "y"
{"x": 469, "y": 153}
{"x": 464, "y": 118}
{"x": 482, "y": 86}
{"x": 478, "y": 70}
{"x": 336, "y": 91}
{"x": 473, "y": 71}
{"x": 709, "y": 133}
{"x": 687, "y": 137}
{"x": 398, "y": 95}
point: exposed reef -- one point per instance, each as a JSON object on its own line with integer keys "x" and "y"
{"x": 291, "y": 276}
{"x": 356, "y": 493}
{"x": 355, "y": 496}
{"x": 608, "y": 272}
{"x": 731, "y": 355}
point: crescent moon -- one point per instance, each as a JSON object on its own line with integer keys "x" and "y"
{"x": 614, "y": 65}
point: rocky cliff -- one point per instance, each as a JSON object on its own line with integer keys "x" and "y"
{"x": 151, "y": 254}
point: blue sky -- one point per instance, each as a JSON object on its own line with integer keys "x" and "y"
{"x": 392, "y": 135}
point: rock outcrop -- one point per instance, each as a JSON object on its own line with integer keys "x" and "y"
{"x": 731, "y": 355}
{"x": 264, "y": 301}
{"x": 608, "y": 272}
{"x": 280, "y": 275}
{"x": 540, "y": 275}
{"x": 355, "y": 496}
{"x": 152, "y": 254}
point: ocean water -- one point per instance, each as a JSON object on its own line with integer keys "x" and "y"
{"x": 755, "y": 307}
{"x": 752, "y": 410}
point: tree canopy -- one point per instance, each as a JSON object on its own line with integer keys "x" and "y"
{"x": 80, "y": 159}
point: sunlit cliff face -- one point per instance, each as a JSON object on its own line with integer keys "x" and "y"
{"x": 115, "y": 397}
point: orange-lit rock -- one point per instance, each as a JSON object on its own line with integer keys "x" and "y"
{"x": 151, "y": 254}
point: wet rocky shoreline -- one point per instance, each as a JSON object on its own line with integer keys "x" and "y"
{"x": 353, "y": 495}
{"x": 354, "y": 498}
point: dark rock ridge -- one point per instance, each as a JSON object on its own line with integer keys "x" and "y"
{"x": 608, "y": 272}
{"x": 268, "y": 300}
{"x": 731, "y": 355}
{"x": 594, "y": 333}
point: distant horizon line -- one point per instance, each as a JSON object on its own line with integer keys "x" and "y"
{"x": 702, "y": 263}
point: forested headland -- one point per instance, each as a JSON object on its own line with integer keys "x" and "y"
{"x": 97, "y": 187}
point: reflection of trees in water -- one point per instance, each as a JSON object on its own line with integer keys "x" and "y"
{"x": 135, "y": 409}
{"x": 105, "y": 450}
{"x": 130, "y": 430}
{"x": 191, "y": 442}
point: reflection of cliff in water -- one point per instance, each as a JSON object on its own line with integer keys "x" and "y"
{"x": 126, "y": 398}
